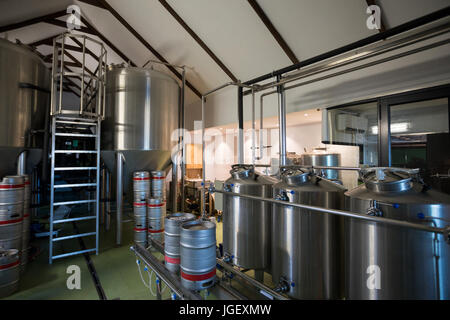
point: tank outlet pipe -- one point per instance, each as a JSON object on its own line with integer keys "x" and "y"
{"x": 265, "y": 290}
{"x": 120, "y": 159}
{"x": 240, "y": 143}
{"x": 400, "y": 223}
{"x": 22, "y": 163}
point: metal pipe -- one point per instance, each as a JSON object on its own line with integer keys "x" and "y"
{"x": 363, "y": 66}
{"x": 183, "y": 143}
{"x": 161, "y": 272}
{"x": 22, "y": 163}
{"x": 103, "y": 195}
{"x": 119, "y": 196}
{"x": 174, "y": 186}
{"x": 240, "y": 158}
{"x": 203, "y": 195}
{"x": 349, "y": 214}
{"x": 253, "y": 128}
{"x": 282, "y": 123}
{"x": 410, "y": 25}
{"x": 252, "y": 281}
{"x": 108, "y": 199}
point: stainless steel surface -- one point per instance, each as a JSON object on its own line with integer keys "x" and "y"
{"x": 250, "y": 280}
{"x": 9, "y": 272}
{"x": 156, "y": 213}
{"x": 307, "y": 246}
{"x": 141, "y": 115}
{"x": 141, "y": 185}
{"x": 26, "y": 232}
{"x": 247, "y": 223}
{"x": 119, "y": 196}
{"x": 323, "y": 159}
{"x": 140, "y": 222}
{"x": 158, "y": 184}
{"x": 400, "y": 223}
{"x": 410, "y": 264}
{"x": 172, "y": 228}
{"x": 23, "y": 104}
{"x": 11, "y": 212}
{"x": 167, "y": 277}
{"x": 198, "y": 254}
{"x": 22, "y": 163}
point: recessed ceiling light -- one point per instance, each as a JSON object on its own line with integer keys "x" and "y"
{"x": 306, "y": 115}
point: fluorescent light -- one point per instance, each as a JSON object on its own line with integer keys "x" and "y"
{"x": 395, "y": 128}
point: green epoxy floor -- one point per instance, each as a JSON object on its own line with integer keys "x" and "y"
{"x": 116, "y": 269}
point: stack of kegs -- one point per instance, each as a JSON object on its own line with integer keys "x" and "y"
{"x": 11, "y": 231}
{"x": 159, "y": 184}
{"x": 141, "y": 189}
{"x": 156, "y": 213}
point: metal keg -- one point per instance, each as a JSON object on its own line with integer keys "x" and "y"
{"x": 156, "y": 212}
{"x": 9, "y": 272}
{"x": 158, "y": 184}
{"x": 11, "y": 212}
{"x": 141, "y": 185}
{"x": 140, "y": 222}
{"x": 172, "y": 239}
{"x": 26, "y": 224}
{"x": 198, "y": 254}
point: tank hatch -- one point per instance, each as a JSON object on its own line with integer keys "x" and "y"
{"x": 389, "y": 179}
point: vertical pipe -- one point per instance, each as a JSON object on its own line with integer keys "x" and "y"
{"x": 203, "y": 204}
{"x": 22, "y": 163}
{"x": 174, "y": 187}
{"x": 97, "y": 187}
{"x": 82, "y": 75}
{"x": 61, "y": 75}
{"x": 108, "y": 200}
{"x": 103, "y": 196}
{"x": 253, "y": 128}
{"x": 282, "y": 122}
{"x": 241, "y": 125}
{"x": 183, "y": 144}
{"x": 119, "y": 197}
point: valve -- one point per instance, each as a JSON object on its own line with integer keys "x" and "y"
{"x": 227, "y": 188}
{"x": 373, "y": 210}
{"x": 283, "y": 285}
{"x": 282, "y": 196}
{"x": 447, "y": 234}
{"x": 211, "y": 188}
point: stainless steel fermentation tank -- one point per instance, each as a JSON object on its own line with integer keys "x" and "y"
{"x": 247, "y": 223}
{"x": 24, "y": 104}
{"x": 323, "y": 159}
{"x": 390, "y": 262}
{"x": 142, "y": 111}
{"x": 307, "y": 251}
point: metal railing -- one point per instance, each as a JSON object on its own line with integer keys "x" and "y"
{"x": 92, "y": 92}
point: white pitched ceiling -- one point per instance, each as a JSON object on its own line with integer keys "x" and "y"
{"x": 231, "y": 29}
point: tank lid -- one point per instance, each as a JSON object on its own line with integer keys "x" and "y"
{"x": 242, "y": 171}
{"x": 294, "y": 176}
{"x": 384, "y": 179}
{"x": 180, "y": 216}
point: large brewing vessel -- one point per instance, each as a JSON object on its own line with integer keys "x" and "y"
{"x": 307, "y": 246}
{"x": 390, "y": 262}
{"x": 247, "y": 223}
{"x": 24, "y": 104}
{"x": 141, "y": 114}
{"x": 323, "y": 159}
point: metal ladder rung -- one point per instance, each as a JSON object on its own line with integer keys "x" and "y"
{"x": 75, "y": 151}
{"x": 74, "y": 168}
{"x": 73, "y": 253}
{"x": 74, "y": 185}
{"x": 74, "y": 236}
{"x": 75, "y": 135}
{"x": 78, "y": 123}
{"x": 65, "y": 203}
{"x": 74, "y": 219}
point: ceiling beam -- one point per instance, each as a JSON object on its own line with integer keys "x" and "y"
{"x": 63, "y": 24}
{"x": 260, "y": 12}
{"x": 108, "y": 43}
{"x": 93, "y": 3}
{"x": 146, "y": 44}
{"x": 382, "y": 23}
{"x": 32, "y": 21}
{"x": 197, "y": 38}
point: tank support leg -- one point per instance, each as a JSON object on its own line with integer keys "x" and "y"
{"x": 119, "y": 197}
{"x": 259, "y": 275}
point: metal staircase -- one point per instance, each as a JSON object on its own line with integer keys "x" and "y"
{"x": 74, "y": 168}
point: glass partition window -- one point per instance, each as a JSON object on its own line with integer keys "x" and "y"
{"x": 355, "y": 125}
